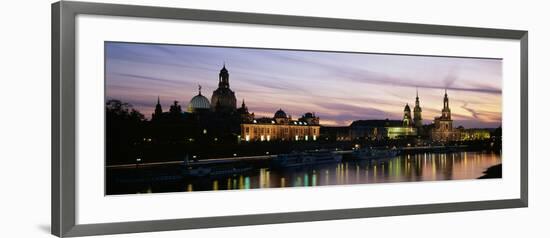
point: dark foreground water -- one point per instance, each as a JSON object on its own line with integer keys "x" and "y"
{"x": 404, "y": 168}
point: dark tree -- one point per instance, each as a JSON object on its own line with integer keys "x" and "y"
{"x": 124, "y": 131}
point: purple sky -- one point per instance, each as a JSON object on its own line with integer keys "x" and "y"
{"x": 338, "y": 87}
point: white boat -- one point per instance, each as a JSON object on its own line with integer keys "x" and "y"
{"x": 306, "y": 158}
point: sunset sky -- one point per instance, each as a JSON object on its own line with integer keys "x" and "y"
{"x": 338, "y": 87}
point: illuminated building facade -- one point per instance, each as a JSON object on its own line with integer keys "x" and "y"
{"x": 400, "y": 132}
{"x": 282, "y": 128}
{"x": 474, "y": 134}
{"x": 380, "y": 130}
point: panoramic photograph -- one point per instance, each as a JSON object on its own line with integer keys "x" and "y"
{"x": 186, "y": 118}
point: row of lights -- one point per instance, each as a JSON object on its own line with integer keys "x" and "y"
{"x": 268, "y": 138}
{"x": 295, "y": 123}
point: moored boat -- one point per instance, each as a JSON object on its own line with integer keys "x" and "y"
{"x": 306, "y": 158}
{"x": 215, "y": 171}
{"x": 374, "y": 154}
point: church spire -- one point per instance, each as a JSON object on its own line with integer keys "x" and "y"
{"x": 200, "y": 87}
{"x": 446, "y": 100}
{"x": 417, "y": 116}
{"x": 158, "y": 109}
{"x": 223, "y": 78}
{"x": 417, "y": 102}
{"x": 446, "y": 110}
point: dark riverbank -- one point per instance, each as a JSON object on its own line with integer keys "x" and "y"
{"x": 493, "y": 172}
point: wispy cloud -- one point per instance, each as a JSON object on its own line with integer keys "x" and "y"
{"x": 339, "y": 87}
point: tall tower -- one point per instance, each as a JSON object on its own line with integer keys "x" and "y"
{"x": 407, "y": 116}
{"x": 223, "y": 98}
{"x": 417, "y": 112}
{"x": 443, "y": 125}
{"x": 158, "y": 109}
{"x": 446, "y": 111}
{"x": 223, "y": 78}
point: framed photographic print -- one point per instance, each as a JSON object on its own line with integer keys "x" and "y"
{"x": 168, "y": 118}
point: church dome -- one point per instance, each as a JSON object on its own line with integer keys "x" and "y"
{"x": 198, "y": 102}
{"x": 223, "y": 98}
{"x": 280, "y": 114}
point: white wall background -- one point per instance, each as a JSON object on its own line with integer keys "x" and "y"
{"x": 25, "y": 118}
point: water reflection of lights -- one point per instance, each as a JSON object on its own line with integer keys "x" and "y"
{"x": 241, "y": 182}
{"x": 419, "y": 167}
{"x": 247, "y": 183}
{"x": 314, "y": 180}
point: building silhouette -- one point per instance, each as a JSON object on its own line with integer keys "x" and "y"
{"x": 417, "y": 119}
{"x": 223, "y": 98}
{"x": 220, "y": 118}
{"x": 443, "y": 125}
{"x": 407, "y": 119}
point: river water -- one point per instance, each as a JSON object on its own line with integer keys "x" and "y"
{"x": 403, "y": 168}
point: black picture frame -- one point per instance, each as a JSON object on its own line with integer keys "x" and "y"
{"x": 64, "y": 107}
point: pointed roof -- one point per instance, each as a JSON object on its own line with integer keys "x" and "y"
{"x": 224, "y": 69}
{"x": 407, "y": 108}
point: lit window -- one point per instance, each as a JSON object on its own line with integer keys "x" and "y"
{"x": 268, "y": 137}
{"x": 314, "y": 137}
{"x": 247, "y": 138}
{"x": 262, "y": 138}
{"x": 296, "y": 137}
{"x": 306, "y": 137}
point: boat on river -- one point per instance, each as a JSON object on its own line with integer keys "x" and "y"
{"x": 375, "y": 154}
{"x": 306, "y": 158}
{"x": 215, "y": 171}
